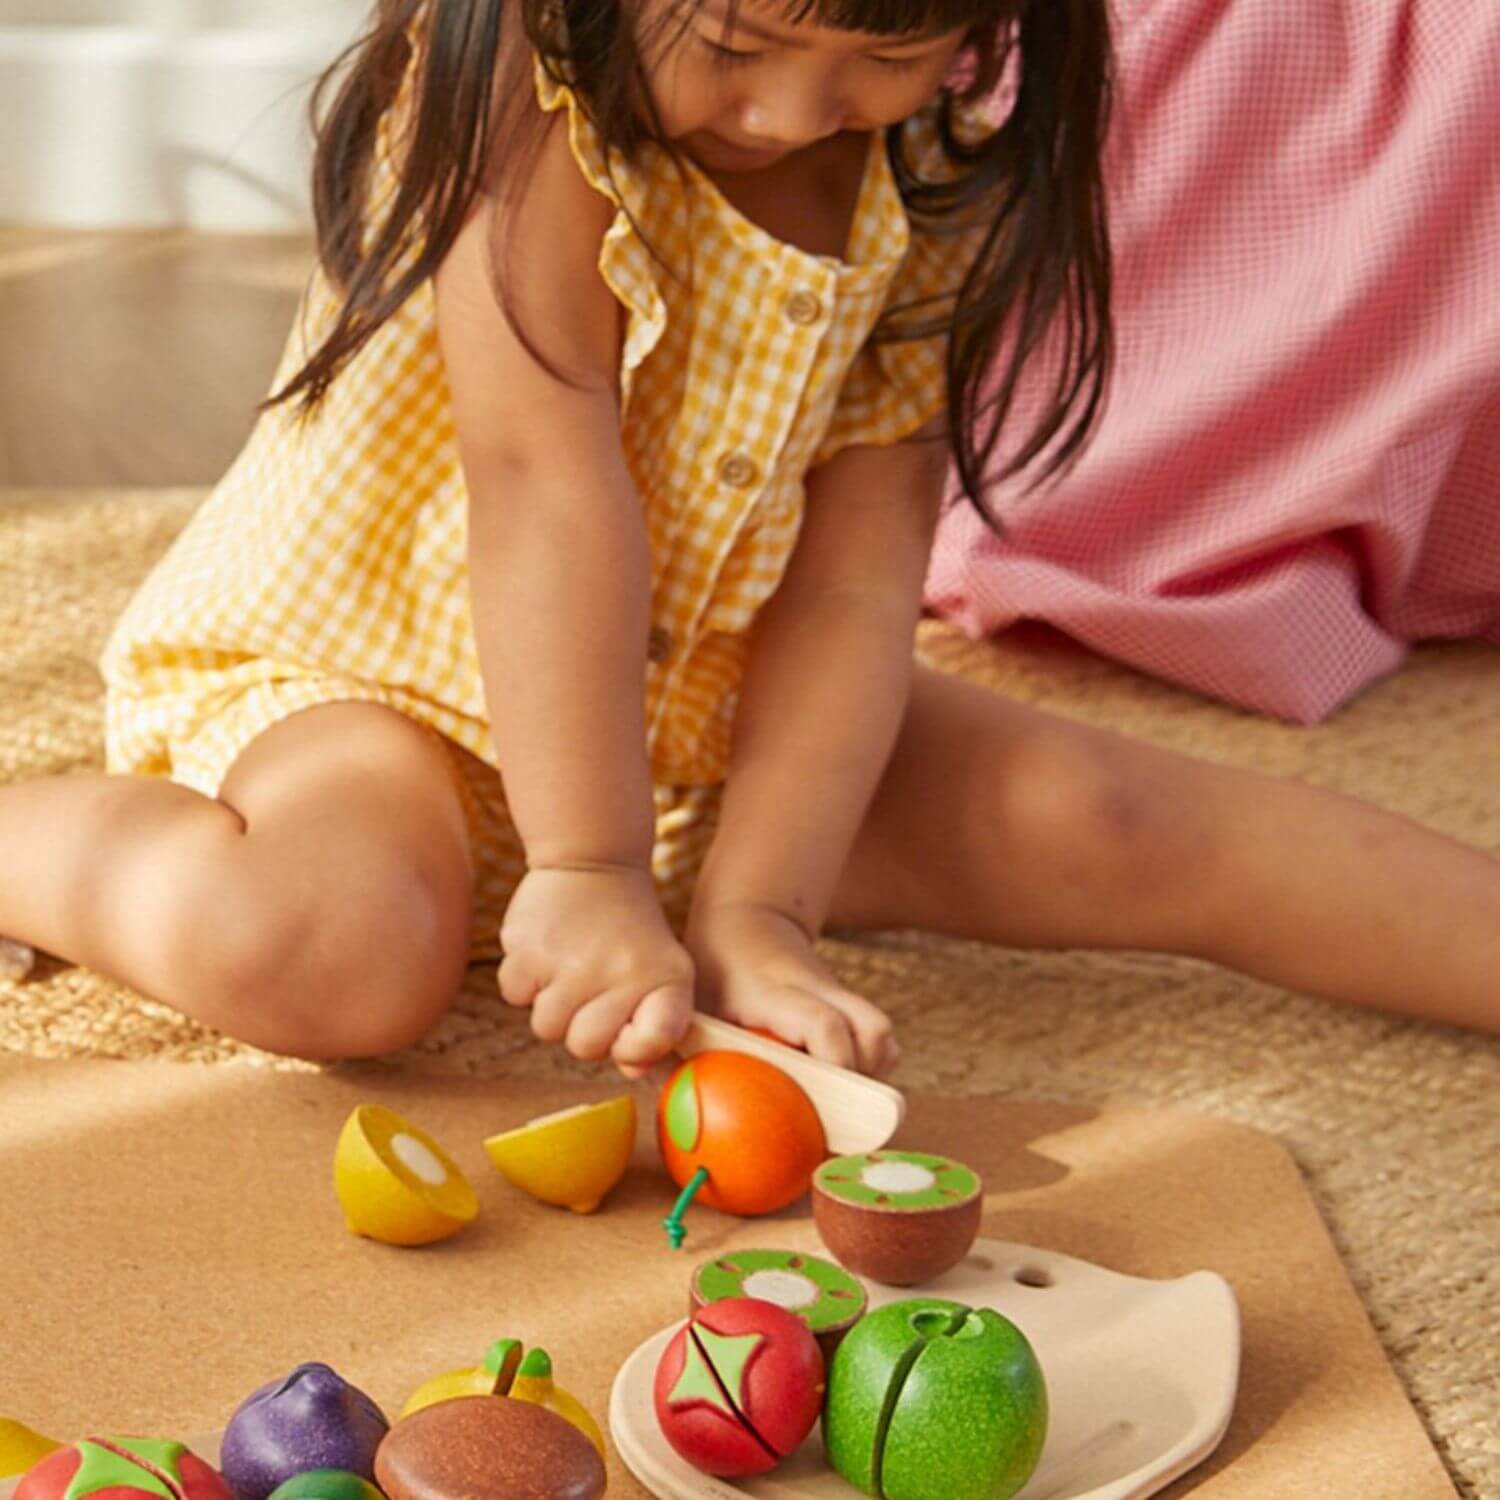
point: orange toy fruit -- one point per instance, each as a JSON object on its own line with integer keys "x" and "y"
{"x": 743, "y": 1129}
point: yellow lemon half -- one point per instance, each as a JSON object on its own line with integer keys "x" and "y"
{"x": 572, "y": 1158}
{"x": 395, "y": 1183}
{"x": 21, "y": 1448}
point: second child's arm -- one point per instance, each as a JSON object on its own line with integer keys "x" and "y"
{"x": 560, "y": 591}
{"x": 823, "y": 697}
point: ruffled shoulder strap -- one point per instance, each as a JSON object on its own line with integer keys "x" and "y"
{"x": 626, "y": 263}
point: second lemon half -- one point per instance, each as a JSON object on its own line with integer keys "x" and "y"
{"x": 571, "y": 1158}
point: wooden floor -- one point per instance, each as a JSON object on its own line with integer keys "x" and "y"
{"x": 136, "y": 359}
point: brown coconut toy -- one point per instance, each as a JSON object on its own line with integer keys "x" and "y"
{"x": 487, "y": 1448}
{"x": 898, "y": 1217}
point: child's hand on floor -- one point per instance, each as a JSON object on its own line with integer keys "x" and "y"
{"x": 757, "y": 967}
{"x": 593, "y": 956}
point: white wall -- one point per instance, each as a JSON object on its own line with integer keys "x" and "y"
{"x": 162, "y": 112}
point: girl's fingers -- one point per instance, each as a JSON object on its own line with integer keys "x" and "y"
{"x": 595, "y": 1025}
{"x": 519, "y": 983}
{"x": 805, "y": 1020}
{"x": 654, "y": 1027}
{"x": 832, "y": 1023}
{"x": 553, "y": 1009}
{"x": 874, "y": 1036}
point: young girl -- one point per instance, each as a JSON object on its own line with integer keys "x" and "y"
{"x": 562, "y": 603}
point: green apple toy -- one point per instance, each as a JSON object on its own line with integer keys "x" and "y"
{"x": 932, "y": 1400}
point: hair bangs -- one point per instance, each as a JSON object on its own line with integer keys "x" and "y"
{"x": 901, "y": 17}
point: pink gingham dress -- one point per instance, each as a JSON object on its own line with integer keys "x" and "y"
{"x": 1299, "y": 469}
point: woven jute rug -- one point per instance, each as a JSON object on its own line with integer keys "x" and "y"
{"x": 1396, "y": 1124}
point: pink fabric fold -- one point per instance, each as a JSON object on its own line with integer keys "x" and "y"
{"x": 1298, "y": 471}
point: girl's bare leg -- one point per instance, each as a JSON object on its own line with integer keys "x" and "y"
{"x": 1001, "y": 823}
{"x": 320, "y": 906}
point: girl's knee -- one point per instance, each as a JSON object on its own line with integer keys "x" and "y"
{"x": 337, "y": 976}
{"x": 1091, "y": 811}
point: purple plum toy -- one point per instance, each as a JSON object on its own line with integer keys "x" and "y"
{"x": 312, "y": 1419}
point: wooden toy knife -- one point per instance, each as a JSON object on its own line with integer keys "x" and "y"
{"x": 859, "y": 1113}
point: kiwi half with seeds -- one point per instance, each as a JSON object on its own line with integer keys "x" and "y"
{"x": 898, "y": 1217}
{"x": 825, "y": 1296}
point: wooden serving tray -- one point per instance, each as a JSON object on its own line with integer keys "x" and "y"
{"x": 1141, "y": 1377}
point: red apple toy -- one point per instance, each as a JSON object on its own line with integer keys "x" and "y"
{"x": 739, "y": 1387}
{"x": 123, "y": 1469}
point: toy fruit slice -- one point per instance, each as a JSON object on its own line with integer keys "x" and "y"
{"x": 824, "y": 1296}
{"x": 897, "y": 1216}
{"x": 571, "y": 1158}
{"x": 21, "y": 1447}
{"x": 396, "y": 1183}
{"x": 492, "y": 1378}
{"x": 934, "y": 1400}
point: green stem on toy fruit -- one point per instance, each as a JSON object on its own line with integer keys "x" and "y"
{"x": 676, "y": 1230}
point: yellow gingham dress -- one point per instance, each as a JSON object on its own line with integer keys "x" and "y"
{"x": 329, "y": 563}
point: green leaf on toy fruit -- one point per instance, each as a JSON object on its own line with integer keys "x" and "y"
{"x": 729, "y": 1353}
{"x": 696, "y": 1382}
{"x": 683, "y": 1123}
{"x": 501, "y": 1361}
{"x": 714, "y": 1367}
{"x": 138, "y": 1463}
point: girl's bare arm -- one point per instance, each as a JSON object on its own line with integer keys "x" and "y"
{"x": 826, "y": 685}
{"x": 559, "y": 567}
{"x": 560, "y": 584}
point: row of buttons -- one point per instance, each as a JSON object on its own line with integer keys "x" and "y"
{"x": 738, "y": 470}
{"x": 803, "y": 308}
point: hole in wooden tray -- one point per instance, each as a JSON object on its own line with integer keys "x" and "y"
{"x": 1033, "y": 1276}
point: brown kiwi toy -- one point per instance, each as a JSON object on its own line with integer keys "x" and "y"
{"x": 487, "y": 1448}
{"x": 826, "y": 1297}
{"x": 898, "y": 1217}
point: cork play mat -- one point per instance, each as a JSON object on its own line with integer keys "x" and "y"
{"x": 180, "y": 1244}
{"x": 1392, "y": 1124}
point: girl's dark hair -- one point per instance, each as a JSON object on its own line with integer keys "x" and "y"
{"x": 1042, "y": 271}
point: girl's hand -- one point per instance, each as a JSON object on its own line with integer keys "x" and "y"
{"x": 592, "y": 955}
{"x": 757, "y": 967}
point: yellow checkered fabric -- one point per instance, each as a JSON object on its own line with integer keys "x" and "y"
{"x": 329, "y": 564}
